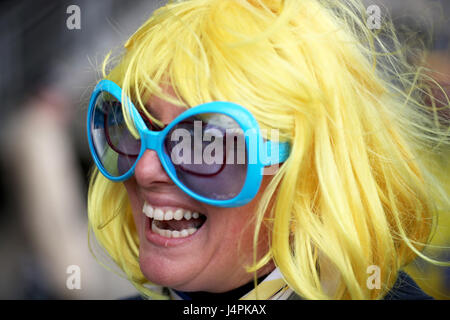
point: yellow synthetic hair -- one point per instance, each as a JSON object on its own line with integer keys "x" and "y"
{"x": 357, "y": 189}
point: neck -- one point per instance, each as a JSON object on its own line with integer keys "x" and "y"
{"x": 234, "y": 294}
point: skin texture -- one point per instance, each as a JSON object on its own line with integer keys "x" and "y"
{"x": 214, "y": 258}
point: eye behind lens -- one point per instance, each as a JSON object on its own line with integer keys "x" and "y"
{"x": 115, "y": 146}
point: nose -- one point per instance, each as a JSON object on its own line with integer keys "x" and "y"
{"x": 149, "y": 170}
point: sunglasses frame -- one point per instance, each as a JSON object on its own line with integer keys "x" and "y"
{"x": 154, "y": 140}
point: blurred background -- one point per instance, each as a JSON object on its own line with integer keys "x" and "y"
{"x": 49, "y": 63}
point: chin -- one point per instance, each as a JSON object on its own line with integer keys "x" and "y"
{"x": 177, "y": 274}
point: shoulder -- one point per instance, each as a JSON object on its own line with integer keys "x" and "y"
{"x": 405, "y": 288}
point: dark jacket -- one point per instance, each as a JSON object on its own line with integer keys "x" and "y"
{"x": 406, "y": 288}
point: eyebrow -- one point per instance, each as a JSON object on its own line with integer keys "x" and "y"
{"x": 156, "y": 109}
{"x": 154, "y": 112}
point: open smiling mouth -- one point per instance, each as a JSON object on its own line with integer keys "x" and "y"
{"x": 179, "y": 223}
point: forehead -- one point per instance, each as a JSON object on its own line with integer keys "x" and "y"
{"x": 161, "y": 109}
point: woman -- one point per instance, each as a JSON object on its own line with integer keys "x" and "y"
{"x": 277, "y": 143}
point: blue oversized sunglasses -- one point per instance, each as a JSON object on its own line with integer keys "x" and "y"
{"x": 214, "y": 152}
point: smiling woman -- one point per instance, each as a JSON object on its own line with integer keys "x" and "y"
{"x": 345, "y": 189}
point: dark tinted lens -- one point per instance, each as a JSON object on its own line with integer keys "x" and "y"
{"x": 115, "y": 146}
{"x": 208, "y": 152}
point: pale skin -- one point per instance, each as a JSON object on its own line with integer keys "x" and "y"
{"x": 214, "y": 258}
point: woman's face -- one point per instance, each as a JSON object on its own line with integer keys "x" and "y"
{"x": 214, "y": 257}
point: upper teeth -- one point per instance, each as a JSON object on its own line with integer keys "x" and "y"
{"x": 168, "y": 214}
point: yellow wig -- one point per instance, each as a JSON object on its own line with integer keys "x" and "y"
{"x": 356, "y": 190}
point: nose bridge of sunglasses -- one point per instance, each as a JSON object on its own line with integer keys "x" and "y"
{"x": 151, "y": 140}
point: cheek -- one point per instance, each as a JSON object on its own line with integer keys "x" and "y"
{"x": 130, "y": 186}
{"x": 247, "y": 218}
{"x": 239, "y": 226}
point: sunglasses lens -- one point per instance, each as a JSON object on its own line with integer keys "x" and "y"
{"x": 208, "y": 152}
{"x": 114, "y": 145}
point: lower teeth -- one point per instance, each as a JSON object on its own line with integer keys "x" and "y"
{"x": 172, "y": 233}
